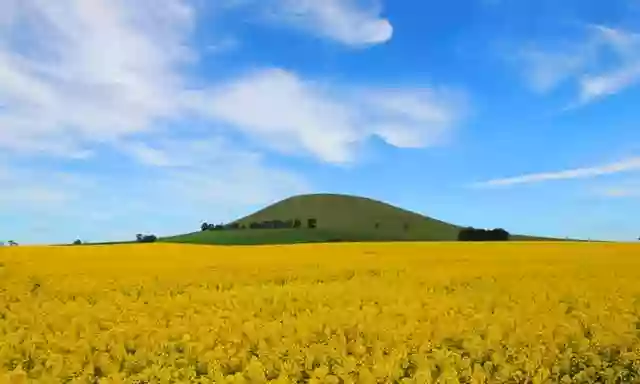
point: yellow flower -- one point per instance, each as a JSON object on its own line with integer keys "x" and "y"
{"x": 476, "y": 313}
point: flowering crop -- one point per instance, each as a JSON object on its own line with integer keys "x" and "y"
{"x": 335, "y": 313}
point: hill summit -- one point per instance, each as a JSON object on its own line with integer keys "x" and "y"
{"x": 326, "y": 218}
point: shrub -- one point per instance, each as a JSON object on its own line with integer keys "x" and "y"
{"x": 473, "y": 234}
{"x": 146, "y": 238}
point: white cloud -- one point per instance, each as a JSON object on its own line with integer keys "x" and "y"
{"x": 594, "y": 87}
{"x": 95, "y": 70}
{"x": 627, "y": 165}
{"x": 546, "y": 70}
{"x": 291, "y": 114}
{"x": 350, "y": 22}
{"x": 346, "y": 21}
{"x": 412, "y": 118}
{"x": 606, "y": 62}
{"x": 101, "y": 71}
{"x": 622, "y": 75}
{"x": 280, "y": 109}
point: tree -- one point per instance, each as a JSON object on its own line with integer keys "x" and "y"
{"x": 312, "y": 223}
{"x": 473, "y": 234}
{"x": 12, "y": 243}
{"x": 297, "y": 223}
{"x": 500, "y": 234}
{"x": 146, "y": 238}
{"x": 204, "y": 226}
{"x": 77, "y": 242}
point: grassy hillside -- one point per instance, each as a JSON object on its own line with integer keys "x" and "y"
{"x": 340, "y": 217}
{"x": 351, "y": 214}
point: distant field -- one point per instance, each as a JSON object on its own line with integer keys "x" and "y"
{"x": 299, "y": 236}
{"x": 324, "y": 313}
{"x": 281, "y": 236}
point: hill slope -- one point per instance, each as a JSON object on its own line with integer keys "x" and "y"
{"x": 339, "y": 217}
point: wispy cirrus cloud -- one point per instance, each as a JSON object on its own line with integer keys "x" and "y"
{"x": 73, "y": 72}
{"x": 626, "y": 165}
{"x": 354, "y": 23}
{"x": 346, "y": 21}
{"x": 291, "y": 114}
{"x": 545, "y": 70}
{"x": 103, "y": 71}
{"x": 605, "y": 62}
{"x": 623, "y": 75}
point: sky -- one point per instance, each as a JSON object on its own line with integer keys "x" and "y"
{"x": 120, "y": 117}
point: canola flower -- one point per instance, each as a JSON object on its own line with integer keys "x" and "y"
{"x": 336, "y": 313}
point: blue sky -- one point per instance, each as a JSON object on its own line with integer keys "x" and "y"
{"x": 120, "y": 117}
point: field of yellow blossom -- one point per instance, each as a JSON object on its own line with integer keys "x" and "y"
{"x": 335, "y": 313}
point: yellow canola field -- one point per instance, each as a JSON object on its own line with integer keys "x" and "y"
{"x": 336, "y": 313}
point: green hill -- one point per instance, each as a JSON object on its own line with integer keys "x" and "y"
{"x": 339, "y": 218}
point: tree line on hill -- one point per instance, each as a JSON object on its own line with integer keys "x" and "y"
{"x": 268, "y": 224}
{"x": 474, "y": 234}
{"x": 465, "y": 234}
